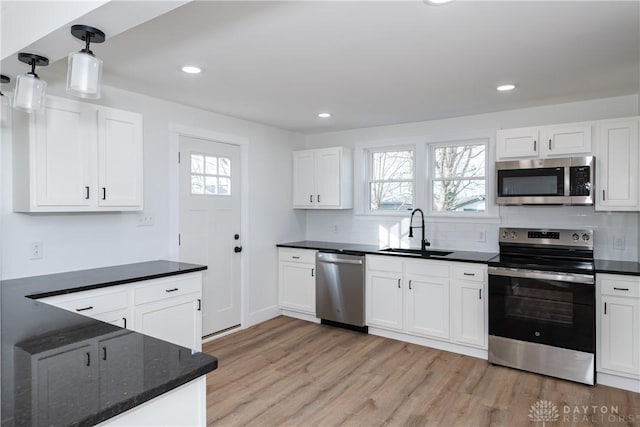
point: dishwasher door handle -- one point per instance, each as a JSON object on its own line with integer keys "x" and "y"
{"x": 341, "y": 261}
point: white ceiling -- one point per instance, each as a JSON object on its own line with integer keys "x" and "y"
{"x": 375, "y": 63}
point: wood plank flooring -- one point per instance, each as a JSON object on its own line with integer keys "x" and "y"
{"x": 288, "y": 372}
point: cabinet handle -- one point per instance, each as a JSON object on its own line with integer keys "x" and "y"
{"x": 199, "y": 304}
{"x": 313, "y": 270}
{"x": 104, "y": 193}
{"x": 87, "y": 192}
{"x": 318, "y": 198}
{"x": 124, "y": 319}
{"x": 310, "y": 198}
{"x": 85, "y": 308}
{"x": 605, "y": 308}
{"x": 621, "y": 289}
{"x": 603, "y": 198}
{"x": 104, "y": 353}
{"x": 398, "y": 283}
{"x": 535, "y": 145}
{"x": 171, "y": 290}
{"x": 409, "y": 284}
{"x": 549, "y": 145}
{"x": 479, "y": 293}
{"x": 469, "y": 274}
{"x": 88, "y": 358}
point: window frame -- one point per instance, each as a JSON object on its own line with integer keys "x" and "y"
{"x": 368, "y": 178}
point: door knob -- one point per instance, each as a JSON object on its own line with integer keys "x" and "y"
{"x": 237, "y": 249}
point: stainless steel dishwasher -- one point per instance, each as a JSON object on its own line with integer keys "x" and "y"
{"x": 340, "y": 290}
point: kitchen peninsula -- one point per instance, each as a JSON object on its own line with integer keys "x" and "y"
{"x": 63, "y": 368}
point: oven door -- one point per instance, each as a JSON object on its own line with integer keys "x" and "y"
{"x": 552, "y": 308}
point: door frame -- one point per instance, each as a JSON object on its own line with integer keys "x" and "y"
{"x": 175, "y": 132}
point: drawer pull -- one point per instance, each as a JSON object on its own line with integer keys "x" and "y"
{"x": 171, "y": 290}
{"x": 124, "y": 319}
{"x": 85, "y": 308}
{"x": 469, "y": 274}
{"x": 621, "y": 289}
{"x": 295, "y": 257}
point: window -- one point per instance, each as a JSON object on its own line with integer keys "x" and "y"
{"x": 210, "y": 175}
{"x": 458, "y": 183}
{"x": 391, "y": 180}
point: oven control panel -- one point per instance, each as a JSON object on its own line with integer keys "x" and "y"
{"x": 550, "y": 237}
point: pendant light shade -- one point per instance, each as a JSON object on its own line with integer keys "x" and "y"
{"x": 84, "y": 73}
{"x": 5, "y": 103}
{"x": 30, "y": 90}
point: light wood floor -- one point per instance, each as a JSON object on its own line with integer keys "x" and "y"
{"x": 288, "y": 372}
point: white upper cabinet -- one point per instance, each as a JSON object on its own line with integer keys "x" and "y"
{"x": 77, "y": 157}
{"x": 545, "y": 141}
{"x": 617, "y": 165}
{"x": 322, "y": 179}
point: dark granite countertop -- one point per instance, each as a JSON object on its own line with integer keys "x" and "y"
{"x": 36, "y": 335}
{"x": 359, "y": 249}
{"x": 617, "y": 267}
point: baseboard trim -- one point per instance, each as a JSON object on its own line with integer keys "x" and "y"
{"x": 616, "y": 381}
{"x": 261, "y": 315}
{"x": 301, "y": 316}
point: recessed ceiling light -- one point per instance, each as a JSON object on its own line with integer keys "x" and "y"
{"x": 324, "y": 115}
{"x": 506, "y": 88}
{"x": 190, "y": 69}
{"x": 437, "y": 2}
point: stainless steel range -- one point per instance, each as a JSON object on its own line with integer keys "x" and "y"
{"x": 542, "y": 303}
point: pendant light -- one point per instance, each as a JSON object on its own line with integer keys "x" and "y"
{"x": 5, "y": 103}
{"x": 84, "y": 73}
{"x": 30, "y": 90}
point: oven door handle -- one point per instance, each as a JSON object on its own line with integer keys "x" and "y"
{"x": 545, "y": 275}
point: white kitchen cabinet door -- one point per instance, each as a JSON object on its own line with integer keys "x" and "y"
{"x": 328, "y": 177}
{"x": 617, "y": 165}
{"x": 517, "y": 143}
{"x": 620, "y": 335}
{"x": 304, "y": 179}
{"x": 384, "y": 299}
{"x": 565, "y": 140}
{"x": 177, "y": 320}
{"x": 297, "y": 290}
{"x": 116, "y": 362}
{"x": 119, "y": 158}
{"x": 469, "y": 313}
{"x": 427, "y": 306}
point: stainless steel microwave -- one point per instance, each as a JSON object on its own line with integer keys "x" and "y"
{"x": 561, "y": 181}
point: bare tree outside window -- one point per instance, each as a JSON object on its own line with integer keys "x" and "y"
{"x": 459, "y": 182}
{"x": 391, "y": 180}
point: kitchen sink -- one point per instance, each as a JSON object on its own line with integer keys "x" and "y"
{"x": 426, "y": 253}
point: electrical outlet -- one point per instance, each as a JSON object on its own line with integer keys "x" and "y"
{"x": 36, "y": 250}
{"x": 145, "y": 220}
{"x": 618, "y": 242}
{"x": 482, "y": 236}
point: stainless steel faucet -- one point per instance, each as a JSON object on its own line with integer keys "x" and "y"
{"x": 424, "y": 242}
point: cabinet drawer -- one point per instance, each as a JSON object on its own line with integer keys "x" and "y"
{"x": 301, "y": 255}
{"x": 619, "y": 286}
{"x": 428, "y": 268}
{"x": 384, "y": 263}
{"x": 166, "y": 288}
{"x": 90, "y": 305}
{"x": 472, "y": 273}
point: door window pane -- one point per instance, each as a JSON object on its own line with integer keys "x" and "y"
{"x": 210, "y": 175}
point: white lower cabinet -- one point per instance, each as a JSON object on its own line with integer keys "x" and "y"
{"x": 440, "y": 300}
{"x": 618, "y": 331}
{"x": 296, "y": 280}
{"x": 167, "y": 308}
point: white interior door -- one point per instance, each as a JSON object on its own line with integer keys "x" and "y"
{"x": 210, "y": 226}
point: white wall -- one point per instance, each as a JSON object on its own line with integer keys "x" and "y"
{"x": 348, "y": 226}
{"x": 80, "y": 241}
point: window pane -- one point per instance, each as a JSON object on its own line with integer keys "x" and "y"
{"x": 461, "y": 161}
{"x": 211, "y": 165}
{"x": 391, "y": 196}
{"x": 197, "y": 184}
{"x": 197, "y": 162}
{"x": 459, "y": 195}
{"x": 210, "y": 187}
{"x": 225, "y": 166}
{"x": 224, "y": 186}
{"x": 389, "y": 165}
